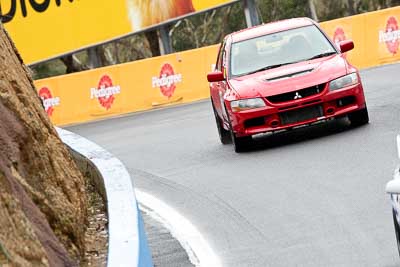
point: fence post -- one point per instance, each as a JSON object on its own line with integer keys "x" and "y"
{"x": 313, "y": 11}
{"x": 250, "y": 13}
{"x": 94, "y": 61}
{"x": 164, "y": 40}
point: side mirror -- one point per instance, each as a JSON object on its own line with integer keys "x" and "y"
{"x": 216, "y": 76}
{"x": 346, "y": 45}
{"x": 393, "y": 187}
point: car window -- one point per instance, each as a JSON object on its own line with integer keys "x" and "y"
{"x": 278, "y": 48}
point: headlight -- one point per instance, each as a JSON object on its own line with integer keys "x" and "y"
{"x": 343, "y": 81}
{"x": 244, "y": 104}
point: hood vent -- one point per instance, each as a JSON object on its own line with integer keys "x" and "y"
{"x": 290, "y": 75}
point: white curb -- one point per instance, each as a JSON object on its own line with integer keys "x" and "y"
{"x": 127, "y": 245}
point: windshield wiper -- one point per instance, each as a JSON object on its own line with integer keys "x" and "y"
{"x": 322, "y": 55}
{"x": 268, "y": 67}
{"x": 288, "y": 63}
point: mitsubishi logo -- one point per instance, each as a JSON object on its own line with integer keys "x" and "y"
{"x": 297, "y": 96}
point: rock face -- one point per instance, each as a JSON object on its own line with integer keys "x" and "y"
{"x": 42, "y": 193}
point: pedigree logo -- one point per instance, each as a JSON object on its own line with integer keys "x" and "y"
{"x": 391, "y": 35}
{"x": 167, "y": 80}
{"x": 37, "y": 5}
{"x": 49, "y": 102}
{"x": 105, "y": 92}
{"x": 339, "y": 36}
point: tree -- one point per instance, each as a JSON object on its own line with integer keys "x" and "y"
{"x": 207, "y": 28}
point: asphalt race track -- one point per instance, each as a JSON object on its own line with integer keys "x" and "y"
{"x": 310, "y": 197}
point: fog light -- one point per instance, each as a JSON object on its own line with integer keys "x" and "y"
{"x": 330, "y": 110}
{"x": 274, "y": 123}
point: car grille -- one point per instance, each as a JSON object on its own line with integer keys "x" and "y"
{"x": 310, "y": 91}
{"x": 299, "y": 115}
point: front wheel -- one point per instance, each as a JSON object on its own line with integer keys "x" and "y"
{"x": 397, "y": 230}
{"x": 359, "y": 117}
{"x": 240, "y": 144}
{"x": 224, "y": 135}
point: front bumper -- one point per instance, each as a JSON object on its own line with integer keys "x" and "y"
{"x": 281, "y": 116}
{"x": 395, "y": 198}
{"x": 393, "y": 187}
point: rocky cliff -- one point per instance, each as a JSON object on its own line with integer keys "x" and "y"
{"x": 42, "y": 198}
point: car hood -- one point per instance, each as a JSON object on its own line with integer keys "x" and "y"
{"x": 290, "y": 77}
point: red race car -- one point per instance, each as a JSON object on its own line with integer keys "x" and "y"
{"x": 282, "y": 75}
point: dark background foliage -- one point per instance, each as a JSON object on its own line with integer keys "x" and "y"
{"x": 204, "y": 29}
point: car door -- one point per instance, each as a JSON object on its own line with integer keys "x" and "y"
{"x": 218, "y": 88}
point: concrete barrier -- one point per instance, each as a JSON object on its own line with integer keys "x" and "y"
{"x": 127, "y": 244}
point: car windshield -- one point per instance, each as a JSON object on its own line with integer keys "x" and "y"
{"x": 277, "y": 49}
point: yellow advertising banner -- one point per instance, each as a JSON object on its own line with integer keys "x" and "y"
{"x": 382, "y": 37}
{"x": 135, "y": 86}
{"x": 376, "y": 36}
{"x": 348, "y": 28}
{"x": 181, "y": 77}
{"x": 42, "y": 29}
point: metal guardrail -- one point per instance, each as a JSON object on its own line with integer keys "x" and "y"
{"x": 127, "y": 244}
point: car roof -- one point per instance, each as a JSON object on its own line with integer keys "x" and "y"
{"x": 269, "y": 28}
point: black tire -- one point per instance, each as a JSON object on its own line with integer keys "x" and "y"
{"x": 397, "y": 230}
{"x": 224, "y": 135}
{"x": 359, "y": 117}
{"x": 240, "y": 144}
